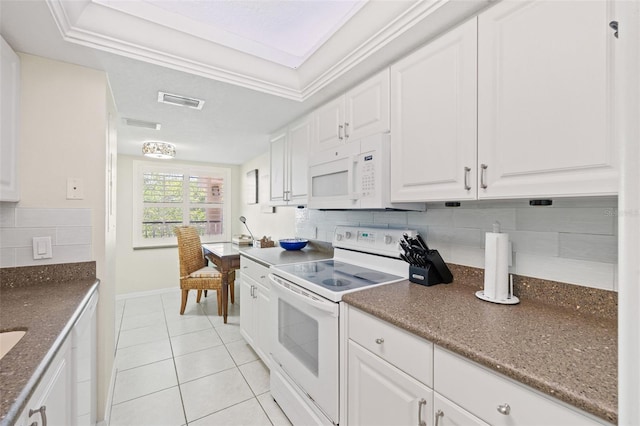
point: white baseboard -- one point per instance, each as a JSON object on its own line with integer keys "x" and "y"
{"x": 146, "y": 293}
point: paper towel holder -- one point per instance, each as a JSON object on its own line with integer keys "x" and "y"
{"x": 510, "y": 300}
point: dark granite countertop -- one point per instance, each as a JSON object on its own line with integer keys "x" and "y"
{"x": 315, "y": 250}
{"x": 566, "y": 349}
{"x": 45, "y": 301}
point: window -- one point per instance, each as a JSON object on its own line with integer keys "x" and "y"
{"x": 166, "y": 196}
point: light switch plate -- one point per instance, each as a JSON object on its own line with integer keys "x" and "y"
{"x": 42, "y": 248}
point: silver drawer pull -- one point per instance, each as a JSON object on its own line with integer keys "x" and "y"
{"x": 504, "y": 409}
{"x": 43, "y": 414}
{"x": 467, "y": 170}
{"x": 439, "y": 414}
{"x": 420, "y": 404}
{"x": 483, "y": 173}
{"x": 380, "y": 340}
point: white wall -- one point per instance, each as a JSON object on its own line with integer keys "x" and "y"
{"x": 63, "y": 127}
{"x": 280, "y": 224}
{"x": 144, "y": 270}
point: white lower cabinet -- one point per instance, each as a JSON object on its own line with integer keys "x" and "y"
{"x": 51, "y": 402}
{"x": 447, "y": 413}
{"x": 254, "y": 311}
{"x": 496, "y": 399}
{"x": 397, "y": 378}
{"x": 381, "y": 394}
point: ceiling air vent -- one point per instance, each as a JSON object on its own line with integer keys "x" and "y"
{"x": 168, "y": 98}
{"x": 141, "y": 123}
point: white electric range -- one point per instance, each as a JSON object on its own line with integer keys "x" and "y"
{"x": 305, "y": 313}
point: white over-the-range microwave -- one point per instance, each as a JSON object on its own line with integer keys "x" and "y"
{"x": 355, "y": 175}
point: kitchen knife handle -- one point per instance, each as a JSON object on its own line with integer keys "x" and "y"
{"x": 483, "y": 185}
{"x": 467, "y": 171}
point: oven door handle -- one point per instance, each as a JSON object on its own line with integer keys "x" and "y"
{"x": 322, "y": 305}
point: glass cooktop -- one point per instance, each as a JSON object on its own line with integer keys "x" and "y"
{"x": 336, "y": 276}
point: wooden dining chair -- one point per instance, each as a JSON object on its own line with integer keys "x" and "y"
{"x": 195, "y": 274}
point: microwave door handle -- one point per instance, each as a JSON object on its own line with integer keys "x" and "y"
{"x": 354, "y": 191}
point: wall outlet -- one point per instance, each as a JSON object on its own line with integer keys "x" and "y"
{"x": 75, "y": 189}
{"x": 42, "y": 248}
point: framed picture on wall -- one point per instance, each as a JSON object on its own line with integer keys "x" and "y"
{"x": 251, "y": 187}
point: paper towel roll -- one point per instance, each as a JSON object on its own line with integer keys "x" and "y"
{"x": 496, "y": 266}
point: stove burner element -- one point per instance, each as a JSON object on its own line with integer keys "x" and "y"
{"x": 336, "y": 282}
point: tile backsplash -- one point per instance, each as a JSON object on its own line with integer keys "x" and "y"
{"x": 573, "y": 241}
{"x": 69, "y": 229}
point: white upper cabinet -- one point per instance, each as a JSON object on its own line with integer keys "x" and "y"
{"x": 9, "y": 122}
{"x": 545, "y": 106}
{"x": 433, "y": 121}
{"x": 289, "y": 150}
{"x": 362, "y": 111}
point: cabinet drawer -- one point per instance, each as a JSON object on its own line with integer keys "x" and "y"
{"x": 482, "y": 393}
{"x": 255, "y": 270}
{"x": 403, "y": 350}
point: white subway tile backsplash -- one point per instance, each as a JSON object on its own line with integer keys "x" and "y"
{"x": 7, "y": 257}
{"x": 52, "y": 217}
{"x": 572, "y": 241}
{"x": 61, "y": 254}
{"x": 543, "y": 243}
{"x": 73, "y": 235}
{"x": 23, "y": 237}
{"x": 599, "y": 248}
{"x": 589, "y": 220}
{"x": 7, "y": 216}
{"x": 484, "y": 218}
{"x": 581, "y": 272}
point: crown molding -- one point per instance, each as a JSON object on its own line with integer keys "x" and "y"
{"x": 91, "y": 24}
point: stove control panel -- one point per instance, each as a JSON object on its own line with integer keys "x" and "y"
{"x": 382, "y": 241}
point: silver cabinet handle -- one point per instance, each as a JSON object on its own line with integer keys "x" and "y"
{"x": 504, "y": 409}
{"x": 483, "y": 172}
{"x": 420, "y": 404}
{"x": 346, "y": 128}
{"x": 340, "y": 127}
{"x": 380, "y": 340}
{"x": 43, "y": 414}
{"x": 467, "y": 171}
{"x": 439, "y": 414}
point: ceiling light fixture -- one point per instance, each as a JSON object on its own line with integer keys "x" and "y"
{"x": 157, "y": 149}
{"x": 168, "y": 98}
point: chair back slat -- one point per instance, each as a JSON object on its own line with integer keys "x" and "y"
{"x": 189, "y": 250}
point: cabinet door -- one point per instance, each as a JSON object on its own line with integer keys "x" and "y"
{"x": 54, "y": 394}
{"x": 367, "y": 107}
{"x": 277, "y": 148}
{"x": 329, "y": 125}
{"x": 380, "y": 394}
{"x": 263, "y": 324}
{"x": 247, "y": 315}
{"x": 447, "y": 413}
{"x": 545, "y": 102}
{"x": 9, "y": 99}
{"x": 298, "y": 149}
{"x": 434, "y": 124}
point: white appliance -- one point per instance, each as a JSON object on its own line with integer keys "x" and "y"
{"x": 355, "y": 175}
{"x": 305, "y": 311}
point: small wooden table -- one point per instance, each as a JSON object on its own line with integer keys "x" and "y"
{"x": 226, "y": 257}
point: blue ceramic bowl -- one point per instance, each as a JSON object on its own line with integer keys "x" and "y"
{"x": 293, "y": 243}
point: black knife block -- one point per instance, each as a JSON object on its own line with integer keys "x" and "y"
{"x": 436, "y": 271}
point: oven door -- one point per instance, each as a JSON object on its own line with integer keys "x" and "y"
{"x": 304, "y": 343}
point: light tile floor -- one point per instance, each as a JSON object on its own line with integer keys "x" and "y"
{"x": 189, "y": 369}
